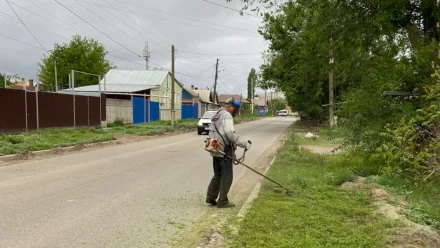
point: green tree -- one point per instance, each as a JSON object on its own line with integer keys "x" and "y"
{"x": 80, "y": 54}
{"x": 276, "y": 105}
{"x": 252, "y": 81}
{"x": 10, "y": 80}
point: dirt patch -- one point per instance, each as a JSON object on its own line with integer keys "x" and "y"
{"x": 25, "y": 156}
{"x": 56, "y": 151}
{"x": 321, "y": 149}
{"x": 211, "y": 240}
{"x": 358, "y": 183}
{"x": 78, "y": 147}
{"x": 412, "y": 235}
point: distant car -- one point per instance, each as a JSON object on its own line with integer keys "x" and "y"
{"x": 283, "y": 113}
{"x": 205, "y": 121}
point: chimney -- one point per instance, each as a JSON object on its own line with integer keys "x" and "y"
{"x": 31, "y": 82}
{"x": 192, "y": 87}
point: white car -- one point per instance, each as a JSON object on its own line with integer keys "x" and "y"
{"x": 283, "y": 113}
{"x": 205, "y": 121}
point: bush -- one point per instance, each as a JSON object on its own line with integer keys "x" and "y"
{"x": 413, "y": 144}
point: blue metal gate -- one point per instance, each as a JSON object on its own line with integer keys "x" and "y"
{"x": 141, "y": 113}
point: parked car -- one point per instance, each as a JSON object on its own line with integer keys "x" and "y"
{"x": 283, "y": 113}
{"x": 205, "y": 121}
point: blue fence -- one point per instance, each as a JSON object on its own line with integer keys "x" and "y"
{"x": 189, "y": 111}
{"x": 140, "y": 110}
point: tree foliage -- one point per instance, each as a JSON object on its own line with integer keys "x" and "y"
{"x": 80, "y": 54}
{"x": 11, "y": 80}
{"x": 252, "y": 81}
{"x": 376, "y": 45}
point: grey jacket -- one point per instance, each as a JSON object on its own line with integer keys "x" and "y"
{"x": 225, "y": 126}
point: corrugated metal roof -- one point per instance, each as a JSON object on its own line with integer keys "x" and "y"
{"x": 128, "y": 81}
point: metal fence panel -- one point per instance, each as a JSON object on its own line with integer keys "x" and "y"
{"x": 54, "y": 110}
{"x": 12, "y": 110}
{"x": 187, "y": 111}
{"x": 154, "y": 111}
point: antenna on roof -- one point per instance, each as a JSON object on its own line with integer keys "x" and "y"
{"x": 147, "y": 54}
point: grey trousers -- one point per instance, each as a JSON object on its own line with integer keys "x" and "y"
{"x": 222, "y": 180}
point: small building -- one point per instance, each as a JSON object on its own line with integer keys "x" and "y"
{"x": 208, "y": 101}
{"x": 245, "y": 104}
{"x": 137, "y": 96}
{"x": 190, "y": 104}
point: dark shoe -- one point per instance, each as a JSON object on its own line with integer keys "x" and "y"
{"x": 212, "y": 202}
{"x": 229, "y": 205}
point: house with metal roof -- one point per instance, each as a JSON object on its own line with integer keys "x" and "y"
{"x": 208, "y": 101}
{"x": 149, "y": 93}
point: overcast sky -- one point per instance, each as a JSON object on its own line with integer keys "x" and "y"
{"x": 206, "y": 30}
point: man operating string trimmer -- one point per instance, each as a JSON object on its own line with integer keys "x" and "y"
{"x": 222, "y": 132}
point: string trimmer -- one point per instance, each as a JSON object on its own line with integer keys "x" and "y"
{"x": 212, "y": 145}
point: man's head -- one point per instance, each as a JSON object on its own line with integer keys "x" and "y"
{"x": 232, "y": 106}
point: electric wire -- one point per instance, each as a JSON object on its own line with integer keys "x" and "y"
{"x": 25, "y": 25}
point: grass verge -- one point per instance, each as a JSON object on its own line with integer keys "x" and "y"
{"x": 320, "y": 214}
{"x": 63, "y": 137}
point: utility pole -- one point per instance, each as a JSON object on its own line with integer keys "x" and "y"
{"x": 331, "y": 85}
{"x": 265, "y": 99}
{"x": 253, "y": 95}
{"x": 172, "y": 87}
{"x": 241, "y": 97}
{"x": 215, "y": 82}
{"x": 5, "y": 79}
{"x": 271, "y": 101}
{"x": 147, "y": 54}
{"x": 56, "y": 77}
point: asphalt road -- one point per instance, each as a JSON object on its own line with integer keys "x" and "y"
{"x": 134, "y": 195}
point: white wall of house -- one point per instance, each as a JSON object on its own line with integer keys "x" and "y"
{"x": 119, "y": 110}
{"x": 164, "y": 91}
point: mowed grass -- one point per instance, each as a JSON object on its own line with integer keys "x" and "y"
{"x": 63, "y": 137}
{"x": 50, "y": 138}
{"x": 319, "y": 214}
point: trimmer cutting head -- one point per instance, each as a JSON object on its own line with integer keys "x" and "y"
{"x": 280, "y": 190}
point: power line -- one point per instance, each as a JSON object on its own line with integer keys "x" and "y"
{"x": 160, "y": 41}
{"x": 114, "y": 16}
{"x": 96, "y": 29}
{"x": 199, "y": 73}
{"x": 187, "y": 18}
{"x": 219, "y": 54}
{"x": 7, "y": 37}
{"x": 236, "y": 10}
{"x": 126, "y": 59}
{"x": 51, "y": 14}
{"x": 128, "y": 10}
{"x": 108, "y": 22}
{"x": 168, "y": 20}
{"x": 33, "y": 26}
{"x": 25, "y": 25}
{"x": 42, "y": 17}
{"x": 54, "y": 35}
